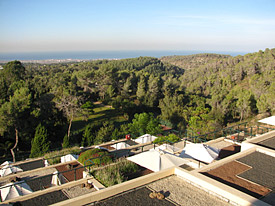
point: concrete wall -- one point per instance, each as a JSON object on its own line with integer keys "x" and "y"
{"x": 116, "y": 189}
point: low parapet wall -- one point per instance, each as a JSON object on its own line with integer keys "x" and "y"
{"x": 218, "y": 189}
{"x": 116, "y": 189}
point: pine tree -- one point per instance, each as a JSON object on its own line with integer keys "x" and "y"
{"x": 66, "y": 141}
{"x": 88, "y": 136}
{"x": 40, "y": 143}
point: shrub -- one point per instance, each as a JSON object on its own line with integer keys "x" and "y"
{"x": 171, "y": 138}
{"x": 114, "y": 174}
{"x": 55, "y": 156}
{"x": 98, "y": 156}
{"x": 66, "y": 141}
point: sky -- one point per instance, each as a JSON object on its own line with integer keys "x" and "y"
{"x": 85, "y": 25}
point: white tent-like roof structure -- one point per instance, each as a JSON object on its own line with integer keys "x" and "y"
{"x": 145, "y": 138}
{"x": 55, "y": 179}
{"x": 69, "y": 157}
{"x": 102, "y": 148}
{"x": 13, "y": 190}
{"x": 268, "y": 120}
{"x": 6, "y": 163}
{"x": 156, "y": 161}
{"x": 120, "y": 145}
{"x": 168, "y": 148}
{"x": 9, "y": 169}
{"x": 201, "y": 152}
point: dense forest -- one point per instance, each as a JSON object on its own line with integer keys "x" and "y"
{"x": 42, "y": 104}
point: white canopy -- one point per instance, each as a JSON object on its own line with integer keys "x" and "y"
{"x": 102, "y": 148}
{"x": 201, "y": 152}
{"x": 46, "y": 163}
{"x": 167, "y": 148}
{"x": 6, "y": 163}
{"x": 55, "y": 179}
{"x": 268, "y": 120}
{"x": 145, "y": 138}
{"x": 13, "y": 190}
{"x": 120, "y": 145}
{"x": 156, "y": 161}
{"x": 9, "y": 169}
{"x": 69, "y": 157}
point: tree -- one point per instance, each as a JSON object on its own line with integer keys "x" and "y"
{"x": 69, "y": 104}
{"x": 87, "y": 109}
{"x": 40, "y": 143}
{"x": 153, "y": 91}
{"x": 244, "y": 103}
{"x": 88, "y": 136}
{"x": 12, "y": 114}
{"x": 66, "y": 141}
{"x": 141, "y": 88}
{"x": 104, "y": 134}
{"x": 144, "y": 123}
{"x": 14, "y": 71}
{"x": 126, "y": 89}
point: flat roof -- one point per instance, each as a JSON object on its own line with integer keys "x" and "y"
{"x": 252, "y": 174}
{"x": 268, "y": 143}
{"x": 268, "y": 120}
{"x": 262, "y": 169}
{"x": 31, "y": 165}
{"x": 176, "y": 191}
{"x": 45, "y": 199}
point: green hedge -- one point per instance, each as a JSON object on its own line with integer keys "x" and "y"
{"x": 55, "y": 156}
{"x": 114, "y": 174}
{"x": 171, "y": 138}
{"x": 98, "y": 156}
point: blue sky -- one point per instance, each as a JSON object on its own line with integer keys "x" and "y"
{"x": 79, "y": 25}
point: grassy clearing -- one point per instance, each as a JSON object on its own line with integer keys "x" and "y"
{"x": 102, "y": 113}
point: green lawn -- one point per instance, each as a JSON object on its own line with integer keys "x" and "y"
{"x": 101, "y": 113}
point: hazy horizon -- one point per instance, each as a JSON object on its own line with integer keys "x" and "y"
{"x": 49, "y": 26}
{"x": 92, "y": 55}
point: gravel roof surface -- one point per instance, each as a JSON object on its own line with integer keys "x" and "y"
{"x": 70, "y": 175}
{"x": 32, "y": 165}
{"x": 269, "y": 143}
{"x": 130, "y": 142}
{"x": 46, "y": 199}
{"x": 135, "y": 197}
{"x": 38, "y": 184}
{"x": 227, "y": 174}
{"x": 184, "y": 193}
{"x": 260, "y": 177}
{"x": 262, "y": 172}
{"x": 77, "y": 191}
{"x": 221, "y": 144}
{"x": 260, "y": 161}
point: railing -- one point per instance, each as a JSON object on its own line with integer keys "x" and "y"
{"x": 237, "y": 133}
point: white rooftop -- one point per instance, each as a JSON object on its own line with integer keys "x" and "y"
{"x": 268, "y": 120}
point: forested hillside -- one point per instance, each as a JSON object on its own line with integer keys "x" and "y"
{"x": 199, "y": 92}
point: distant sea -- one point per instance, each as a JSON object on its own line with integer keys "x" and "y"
{"x": 91, "y": 55}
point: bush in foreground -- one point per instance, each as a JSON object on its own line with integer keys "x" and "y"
{"x": 171, "y": 138}
{"x": 98, "y": 156}
{"x": 116, "y": 173}
{"x": 55, "y": 156}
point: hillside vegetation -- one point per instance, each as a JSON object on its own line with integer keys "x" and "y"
{"x": 200, "y": 92}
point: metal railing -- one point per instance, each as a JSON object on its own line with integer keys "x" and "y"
{"x": 237, "y": 133}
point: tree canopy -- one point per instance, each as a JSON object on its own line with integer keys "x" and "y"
{"x": 196, "y": 92}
